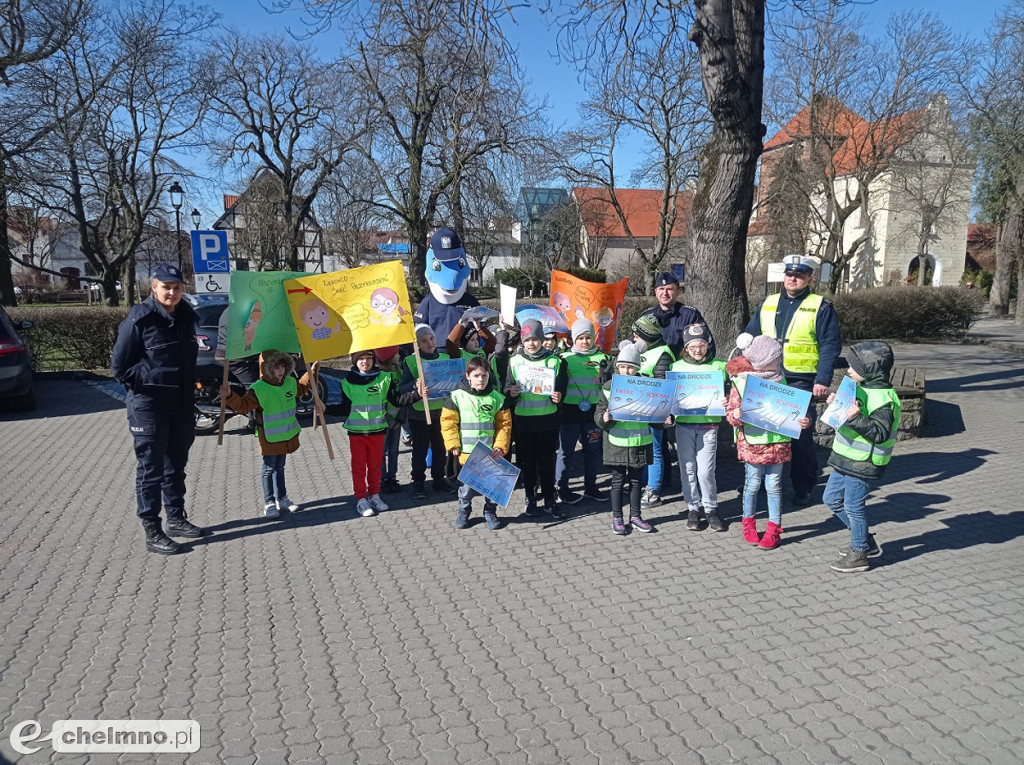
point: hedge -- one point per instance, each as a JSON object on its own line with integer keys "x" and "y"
{"x": 73, "y": 337}
{"x": 908, "y": 313}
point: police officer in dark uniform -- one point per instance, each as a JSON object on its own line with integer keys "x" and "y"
{"x": 155, "y": 360}
{"x": 673, "y": 317}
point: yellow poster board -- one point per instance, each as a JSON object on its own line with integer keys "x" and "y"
{"x": 357, "y": 309}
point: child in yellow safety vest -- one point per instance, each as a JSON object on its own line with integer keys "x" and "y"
{"x": 862, "y": 448}
{"x": 366, "y": 392}
{"x": 628, "y": 446}
{"x": 273, "y": 398}
{"x": 476, "y": 413}
{"x": 763, "y": 452}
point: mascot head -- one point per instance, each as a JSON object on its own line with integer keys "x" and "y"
{"x": 447, "y": 267}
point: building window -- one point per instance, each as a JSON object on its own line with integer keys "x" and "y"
{"x": 241, "y": 264}
{"x": 476, "y": 275}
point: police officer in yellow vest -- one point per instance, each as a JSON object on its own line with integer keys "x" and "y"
{"x": 808, "y": 328}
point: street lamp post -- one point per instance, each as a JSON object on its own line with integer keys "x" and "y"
{"x": 196, "y": 218}
{"x": 177, "y": 195}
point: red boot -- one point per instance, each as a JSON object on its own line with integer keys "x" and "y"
{"x": 772, "y": 536}
{"x": 750, "y": 531}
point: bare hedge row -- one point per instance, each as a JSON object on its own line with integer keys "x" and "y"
{"x": 82, "y": 337}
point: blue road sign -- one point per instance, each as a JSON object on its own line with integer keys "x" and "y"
{"x": 210, "y": 252}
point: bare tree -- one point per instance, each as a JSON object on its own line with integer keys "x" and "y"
{"x": 653, "y": 94}
{"x": 857, "y": 101}
{"x": 261, "y": 233}
{"x": 349, "y": 223}
{"x": 999, "y": 137}
{"x": 439, "y": 109}
{"x": 286, "y": 112}
{"x": 31, "y": 33}
{"x": 138, "y": 96}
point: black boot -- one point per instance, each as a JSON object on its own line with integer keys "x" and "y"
{"x": 180, "y": 526}
{"x": 156, "y": 540}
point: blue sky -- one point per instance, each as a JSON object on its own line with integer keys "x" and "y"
{"x": 558, "y": 82}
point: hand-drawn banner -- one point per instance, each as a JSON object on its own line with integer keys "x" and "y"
{"x": 539, "y": 380}
{"x": 698, "y": 394}
{"x": 442, "y": 376}
{"x": 258, "y": 315}
{"x": 641, "y": 399}
{"x": 357, "y": 309}
{"x": 575, "y": 299}
{"x": 773, "y": 406}
{"x": 835, "y": 415}
{"x": 494, "y": 478}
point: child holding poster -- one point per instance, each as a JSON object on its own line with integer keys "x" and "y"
{"x": 468, "y": 339}
{"x": 425, "y": 437}
{"x": 697, "y": 436}
{"x": 628, "y": 447}
{"x": 475, "y": 413}
{"x": 390, "y": 363}
{"x": 536, "y": 380}
{"x": 366, "y": 392}
{"x": 273, "y": 399}
{"x": 861, "y": 450}
{"x": 587, "y": 367}
{"x": 763, "y": 452}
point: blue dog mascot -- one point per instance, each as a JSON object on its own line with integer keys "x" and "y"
{"x": 447, "y": 276}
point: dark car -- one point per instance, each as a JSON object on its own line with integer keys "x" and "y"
{"x": 208, "y": 310}
{"x": 15, "y": 365}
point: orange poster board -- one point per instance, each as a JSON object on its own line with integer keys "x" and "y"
{"x": 575, "y": 299}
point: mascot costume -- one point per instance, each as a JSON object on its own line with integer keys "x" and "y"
{"x": 447, "y": 276}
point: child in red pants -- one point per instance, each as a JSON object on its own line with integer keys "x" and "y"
{"x": 365, "y": 395}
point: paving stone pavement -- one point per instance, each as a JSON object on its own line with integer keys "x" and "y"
{"x": 332, "y": 638}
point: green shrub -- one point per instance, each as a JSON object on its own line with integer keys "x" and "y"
{"x": 72, "y": 337}
{"x": 908, "y": 313}
{"x": 594, "y": 275}
{"x": 525, "y": 280}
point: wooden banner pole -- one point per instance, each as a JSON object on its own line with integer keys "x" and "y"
{"x": 423, "y": 380}
{"x": 316, "y": 400}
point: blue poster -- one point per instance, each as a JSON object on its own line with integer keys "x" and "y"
{"x": 835, "y": 415}
{"x": 443, "y": 376}
{"x": 495, "y": 478}
{"x": 641, "y": 399}
{"x": 774, "y": 407}
{"x": 548, "y": 317}
{"x": 698, "y": 394}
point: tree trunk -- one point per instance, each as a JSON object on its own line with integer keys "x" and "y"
{"x": 108, "y": 278}
{"x": 730, "y": 37}
{"x": 1006, "y": 254}
{"x": 7, "y": 296}
{"x": 417, "y": 253}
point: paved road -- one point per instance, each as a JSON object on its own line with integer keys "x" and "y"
{"x": 333, "y": 638}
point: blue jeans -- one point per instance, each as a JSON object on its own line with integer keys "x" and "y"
{"x": 389, "y": 462}
{"x": 772, "y": 475}
{"x": 589, "y": 435}
{"x": 846, "y": 495}
{"x": 653, "y": 473}
{"x": 273, "y": 477}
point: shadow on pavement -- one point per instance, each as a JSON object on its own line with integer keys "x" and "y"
{"x": 1003, "y": 379}
{"x": 961, "y": 532}
{"x": 933, "y": 467}
{"x": 942, "y": 419}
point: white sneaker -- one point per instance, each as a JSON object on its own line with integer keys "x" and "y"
{"x": 286, "y": 504}
{"x": 364, "y": 508}
{"x": 377, "y": 503}
{"x": 270, "y": 510}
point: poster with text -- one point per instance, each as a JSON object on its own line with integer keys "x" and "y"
{"x": 442, "y": 376}
{"x": 774, "y": 407}
{"x": 357, "y": 309}
{"x": 259, "y": 318}
{"x": 495, "y": 478}
{"x": 698, "y": 394}
{"x": 548, "y": 317}
{"x": 602, "y": 304}
{"x": 536, "y": 379}
{"x": 641, "y": 399}
{"x": 835, "y": 415}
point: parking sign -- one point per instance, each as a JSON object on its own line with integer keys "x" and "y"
{"x": 210, "y": 252}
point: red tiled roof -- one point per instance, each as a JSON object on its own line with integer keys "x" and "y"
{"x": 981, "y": 244}
{"x": 834, "y": 119}
{"x": 229, "y": 201}
{"x": 640, "y": 206}
{"x": 874, "y": 141}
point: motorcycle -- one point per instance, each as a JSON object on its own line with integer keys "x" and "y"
{"x": 207, "y": 397}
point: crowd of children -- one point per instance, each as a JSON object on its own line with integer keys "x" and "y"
{"x": 520, "y": 389}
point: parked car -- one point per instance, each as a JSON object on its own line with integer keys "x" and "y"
{"x": 15, "y": 365}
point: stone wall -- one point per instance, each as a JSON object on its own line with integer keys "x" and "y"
{"x": 910, "y": 386}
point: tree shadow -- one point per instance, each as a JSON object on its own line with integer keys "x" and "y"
{"x": 961, "y": 532}
{"x": 941, "y": 419}
{"x": 1002, "y": 379}
{"x": 933, "y": 467}
{"x": 893, "y": 508}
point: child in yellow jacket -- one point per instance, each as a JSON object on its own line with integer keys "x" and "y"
{"x": 476, "y": 413}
